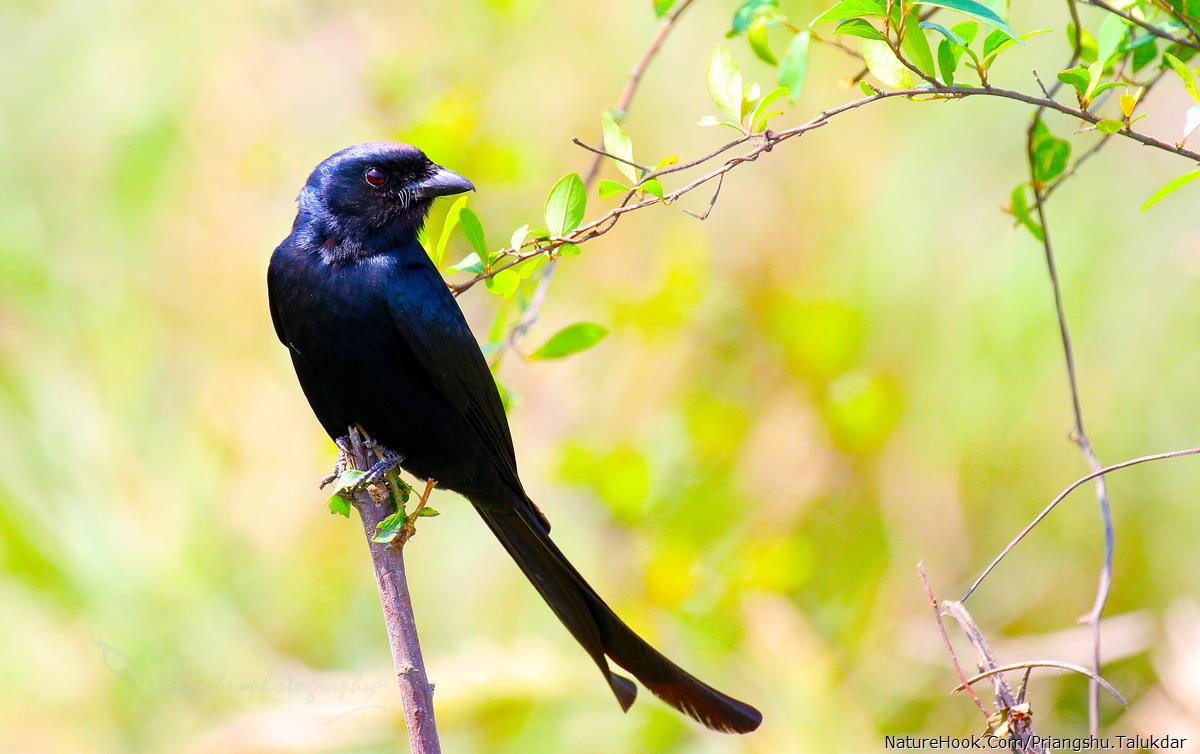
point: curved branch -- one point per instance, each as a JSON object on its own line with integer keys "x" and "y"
{"x": 1062, "y": 496}
{"x": 1043, "y": 664}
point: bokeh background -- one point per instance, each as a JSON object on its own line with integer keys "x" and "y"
{"x": 851, "y": 366}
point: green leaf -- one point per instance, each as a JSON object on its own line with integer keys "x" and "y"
{"x": 758, "y": 117}
{"x": 617, "y": 142}
{"x": 1112, "y": 33}
{"x": 447, "y": 228}
{"x": 748, "y": 12}
{"x": 974, "y": 10}
{"x": 915, "y": 45}
{"x": 944, "y": 32}
{"x": 1050, "y": 154}
{"x": 968, "y": 30}
{"x": 725, "y": 82}
{"x": 389, "y": 528}
{"x": 567, "y": 250}
{"x": 470, "y": 263}
{"x": 1077, "y": 78}
{"x": 793, "y": 69}
{"x": 566, "y": 205}
{"x": 884, "y": 65}
{"x": 504, "y": 283}
{"x": 652, "y": 186}
{"x": 1109, "y": 126}
{"x": 1145, "y": 52}
{"x": 857, "y": 27}
{"x": 518, "y": 237}
{"x": 760, "y": 42}
{"x": 663, "y": 7}
{"x": 1087, "y": 43}
{"x": 428, "y": 512}
{"x": 526, "y": 269}
{"x": 666, "y": 162}
{"x": 1185, "y": 75}
{"x": 947, "y": 61}
{"x": 339, "y": 503}
{"x": 609, "y": 187}
{"x": 852, "y": 9}
{"x": 1171, "y": 187}
{"x": 1020, "y": 210}
{"x": 473, "y": 230}
{"x": 571, "y": 339}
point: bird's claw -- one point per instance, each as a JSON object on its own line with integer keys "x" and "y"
{"x": 387, "y": 462}
{"x": 343, "y": 460}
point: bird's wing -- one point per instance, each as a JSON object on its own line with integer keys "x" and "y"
{"x": 434, "y": 328}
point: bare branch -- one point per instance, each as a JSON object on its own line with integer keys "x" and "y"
{"x": 937, "y": 616}
{"x": 1062, "y": 496}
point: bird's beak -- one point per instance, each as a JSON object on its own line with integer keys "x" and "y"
{"x": 442, "y": 182}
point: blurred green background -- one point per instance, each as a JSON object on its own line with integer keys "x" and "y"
{"x": 851, "y": 366}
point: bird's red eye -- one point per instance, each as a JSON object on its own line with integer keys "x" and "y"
{"x": 376, "y": 177}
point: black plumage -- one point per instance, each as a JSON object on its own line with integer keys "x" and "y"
{"x": 378, "y": 341}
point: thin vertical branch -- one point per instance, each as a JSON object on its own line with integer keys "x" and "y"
{"x": 416, "y": 693}
{"x": 1078, "y": 432}
{"x": 937, "y": 616}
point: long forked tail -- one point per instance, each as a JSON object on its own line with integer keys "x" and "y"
{"x": 598, "y": 629}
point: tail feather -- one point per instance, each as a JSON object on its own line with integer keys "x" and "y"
{"x": 598, "y": 629}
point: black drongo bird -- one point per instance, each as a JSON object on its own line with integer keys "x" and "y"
{"x": 379, "y": 342}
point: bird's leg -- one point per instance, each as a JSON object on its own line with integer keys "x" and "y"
{"x": 343, "y": 460}
{"x": 388, "y": 461}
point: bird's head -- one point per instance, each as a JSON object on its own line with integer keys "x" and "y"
{"x": 381, "y": 188}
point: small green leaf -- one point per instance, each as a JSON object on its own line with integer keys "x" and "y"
{"x": 666, "y": 162}
{"x": 447, "y": 228}
{"x": 867, "y": 89}
{"x": 759, "y": 116}
{"x": 1078, "y": 79}
{"x": 653, "y": 187}
{"x": 884, "y": 65}
{"x": 725, "y": 82}
{"x": 1185, "y": 75}
{"x": 1050, "y": 154}
{"x": 618, "y": 143}
{"x": 851, "y": 9}
{"x": 1108, "y": 40}
{"x": 518, "y": 237}
{"x": 956, "y": 39}
{"x": 1171, "y": 187}
{"x": 566, "y": 205}
{"x": 1020, "y": 210}
{"x": 857, "y": 27}
{"x": 663, "y": 7}
{"x": 571, "y": 339}
{"x": 428, "y": 512}
{"x": 504, "y": 283}
{"x": 473, "y": 230}
{"x": 567, "y": 250}
{"x": 526, "y": 269}
{"x": 947, "y": 61}
{"x": 760, "y": 42}
{"x": 793, "y": 69}
{"x": 1109, "y": 126}
{"x": 339, "y": 502}
{"x": 470, "y": 263}
{"x": 974, "y": 10}
{"x": 915, "y": 45}
{"x": 748, "y": 12}
{"x": 608, "y": 187}
{"x": 389, "y": 528}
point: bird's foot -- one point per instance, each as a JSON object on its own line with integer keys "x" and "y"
{"x": 343, "y": 460}
{"x": 388, "y": 461}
